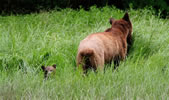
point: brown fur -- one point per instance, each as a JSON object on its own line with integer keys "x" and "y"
{"x": 100, "y": 48}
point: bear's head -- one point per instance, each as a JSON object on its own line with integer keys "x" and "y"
{"x": 124, "y": 23}
{"x": 48, "y": 70}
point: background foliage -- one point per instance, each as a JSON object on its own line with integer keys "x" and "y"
{"x": 27, "y": 6}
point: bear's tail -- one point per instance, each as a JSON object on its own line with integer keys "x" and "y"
{"x": 88, "y": 59}
{"x": 87, "y": 53}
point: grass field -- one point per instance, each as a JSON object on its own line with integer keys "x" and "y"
{"x": 46, "y": 38}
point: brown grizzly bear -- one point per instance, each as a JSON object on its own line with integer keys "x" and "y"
{"x": 103, "y": 47}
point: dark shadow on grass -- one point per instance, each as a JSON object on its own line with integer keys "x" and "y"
{"x": 12, "y": 65}
{"x": 142, "y": 46}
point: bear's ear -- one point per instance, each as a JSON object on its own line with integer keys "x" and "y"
{"x": 43, "y": 67}
{"x": 126, "y": 17}
{"x": 54, "y": 65}
{"x": 111, "y": 21}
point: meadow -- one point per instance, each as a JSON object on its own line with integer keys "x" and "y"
{"x": 46, "y": 38}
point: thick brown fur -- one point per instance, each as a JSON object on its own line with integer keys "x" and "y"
{"x": 104, "y": 47}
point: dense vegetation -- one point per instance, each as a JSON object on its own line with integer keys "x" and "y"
{"x": 29, "y": 41}
{"x": 27, "y": 6}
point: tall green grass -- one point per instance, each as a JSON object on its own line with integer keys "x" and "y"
{"x": 46, "y": 38}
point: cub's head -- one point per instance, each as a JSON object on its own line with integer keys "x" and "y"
{"x": 48, "y": 70}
